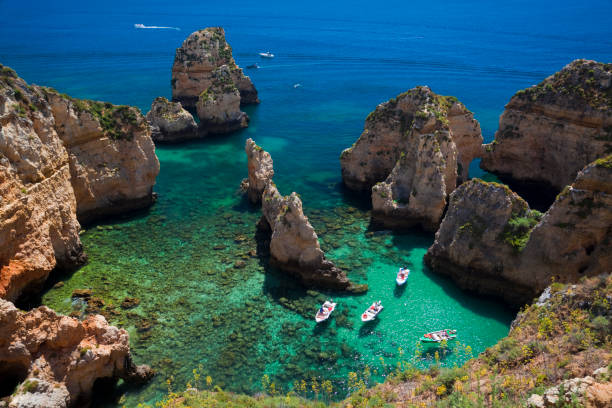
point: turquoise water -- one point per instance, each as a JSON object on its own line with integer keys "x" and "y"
{"x": 197, "y": 305}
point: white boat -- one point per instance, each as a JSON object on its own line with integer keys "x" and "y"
{"x": 325, "y": 311}
{"x": 402, "y": 276}
{"x": 372, "y": 312}
{"x": 266, "y": 54}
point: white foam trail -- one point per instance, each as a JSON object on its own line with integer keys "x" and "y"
{"x": 156, "y": 27}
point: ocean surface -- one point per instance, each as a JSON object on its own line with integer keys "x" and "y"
{"x": 198, "y": 308}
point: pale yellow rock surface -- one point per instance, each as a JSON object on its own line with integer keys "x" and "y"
{"x": 261, "y": 170}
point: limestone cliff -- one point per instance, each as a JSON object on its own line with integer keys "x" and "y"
{"x": 218, "y": 105}
{"x": 550, "y": 131}
{"x": 416, "y": 148}
{"x": 57, "y": 358}
{"x": 294, "y": 245}
{"x": 261, "y": 170}
{"x": 170, "y": 122}
{"x": 62, "y": 159}
{"x": 199, "y": 56}
{"x": 490, "y": 240}
{"x": 38, "y": 224}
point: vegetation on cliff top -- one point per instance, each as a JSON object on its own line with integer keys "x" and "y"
{"x": 579, "y": 84}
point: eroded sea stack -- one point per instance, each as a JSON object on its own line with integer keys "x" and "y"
{"x": 57, "y": 358}
{"x": 170, "y": 122}
{"x": 490, "y": 241}
{"x": 63, "y": 161}
{"x": 550, "y": 131}
{"x": 293, "y": 242}
{"x": 205, "y": 77}
{"x": 413, "y": 152}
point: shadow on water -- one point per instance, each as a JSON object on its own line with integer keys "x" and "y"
{"x": 367, "y": 328}
{"x": 399, "y": 290}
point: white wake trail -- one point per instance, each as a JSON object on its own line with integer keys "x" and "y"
{"x": 156, "y": 27}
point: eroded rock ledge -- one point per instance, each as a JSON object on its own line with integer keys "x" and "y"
{"x": 413, "y": 152}
{"x": 490, "y": 240}
{"x": 57, "y": 359}
{"x": 293, "y": 242}
{"x": 205, "y": 77}
{"x": 170, "y": 122}
{"x": 550, "y": 131}
{"x": 63, "y": 160}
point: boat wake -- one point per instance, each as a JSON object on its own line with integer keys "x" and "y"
{"x": 156, "y": 27}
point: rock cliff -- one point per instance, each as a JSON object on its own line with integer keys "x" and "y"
{"x": 550, "y": 131}
{"x": 218, "y": 105}
{"x": 416, "y": 148}
{"x": 490, "y": 240}
{"x": 294, "y": 245}
{"x": 170, "y": 122}
{"x": 57, "y": 359}
{"x": 202, "y": 53}
{"x": 261, "y": 170}
{"x": 62, "y": 160}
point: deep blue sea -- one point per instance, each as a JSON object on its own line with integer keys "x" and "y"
{"x": 196, "y": 310}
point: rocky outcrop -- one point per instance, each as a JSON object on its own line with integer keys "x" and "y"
{"x": 294, "y": 245}
{"x": 261, "y": 171}
{"x": 490, "y": 240}
{"x": 586, "y": 391}
{"x": 57, "y": 359}
{"x": 480, "y": 238}
{"x": 202, "y": 53}
{"x": 218, "y": 106}
{"x": 170, "y": 122}
{"x": 550, "y": 131}
{"x": 62, "y": 159}
{"x": 414, "y": 151}
{"x": 112, "y": 158}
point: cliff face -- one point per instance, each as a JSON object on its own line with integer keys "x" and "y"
{"x": 38, "y": 224}
{"x": 202, "y": 53}
{"x": 421, "y": 145}
{"x": 294, "y": 245}
{"x": 218, "y": 106}
{"x": 261, "y": 170}
{"x": 60, "y": 357}
{"x": 490, "y": 240}
{"x": 112, "y": 158}
{"x": 170, "y": 122}
{"x": 62, "y": 159}
{"x": 550, "y": 131}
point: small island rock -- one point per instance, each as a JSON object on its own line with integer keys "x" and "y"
{"x": 170, "y": 122}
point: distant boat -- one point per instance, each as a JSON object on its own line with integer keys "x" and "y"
{"x": 438, "y": 336}
{"x": 297, "y": 85}
{"x": 266, "y": 54}
{"x": 253, "y": 66}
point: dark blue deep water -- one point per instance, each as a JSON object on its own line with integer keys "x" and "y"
{"x": 196, "y": 310}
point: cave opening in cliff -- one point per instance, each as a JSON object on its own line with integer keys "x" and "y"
{"x": 11, "y": 375}
{"x": 105, "y": 391}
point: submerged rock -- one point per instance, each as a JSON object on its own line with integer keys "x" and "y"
{"x": 550, "y": 131}
{"x": 261, "y": 170}
{"x": 294, "y": 245}
{"x": 61, "y": 159}
{"x": 57, "y": 358}
{"x": 490, "y": 241}
{"x": 202, "y": 53}
{"x": 413, "y": 152}
{"x": 170, "y": 122}
{"x": 218, "y": 105}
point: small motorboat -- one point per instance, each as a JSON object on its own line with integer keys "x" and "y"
{"x": 325, "y": 311}
{"x": 438, "y": 336}
{"x": 253, "y": 66}
{"x": 402, "y": 276}
{"x": 372, "y": 312}
{"x": 298, "y": 85}
{"x": 266, "y": 54}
